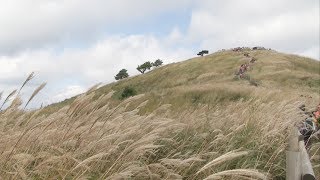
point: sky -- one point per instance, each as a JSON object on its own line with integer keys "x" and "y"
{"x": 75, "y": 44}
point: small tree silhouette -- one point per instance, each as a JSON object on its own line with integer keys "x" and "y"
{"x": 122, "y": 74}
{"x": 201, "y": 53}
{"x": 145, "y": 66}
{"x": 157, "y": 63}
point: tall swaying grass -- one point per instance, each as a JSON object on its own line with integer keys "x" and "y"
{"x": 207, "y": 127}
{"x": 91, "y": 140}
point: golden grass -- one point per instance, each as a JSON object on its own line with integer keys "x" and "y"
{"x": 191, "y": 120}
{"x": 91, "y": 139}
{"x": 221, "y": 159}
{"x": 238, "y": 174}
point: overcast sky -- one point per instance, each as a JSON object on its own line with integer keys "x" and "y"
{"x": 74, "y": 44}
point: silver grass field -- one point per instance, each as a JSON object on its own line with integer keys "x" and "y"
{"x": 91, "y": 140}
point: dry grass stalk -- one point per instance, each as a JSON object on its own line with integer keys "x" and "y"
{"x": 8, "y": 97}
{"x": 90, "y": 159}
{"x": 31, "y": 76}
{"x": 225, "y": 157}
{"x": 252, "y": 173}
{"x": 17, "y": 101}
{"x": 35, "y": 92}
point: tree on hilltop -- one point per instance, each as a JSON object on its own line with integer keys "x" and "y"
{"x": 122, "y": 74}
{"x": 157, "y": 63}
{"x": 201, "y": 53}
{"x": 145, "y": 66}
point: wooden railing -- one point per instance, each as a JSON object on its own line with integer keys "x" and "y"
{"x": 297, "y": 159}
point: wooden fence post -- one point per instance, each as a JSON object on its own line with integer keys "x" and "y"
{"x": 293, "y": 165}
{"x": 298, "y": 164}
{"x": 306, "y": 167}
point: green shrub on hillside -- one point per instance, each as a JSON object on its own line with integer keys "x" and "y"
{"x": 127, "y": 92}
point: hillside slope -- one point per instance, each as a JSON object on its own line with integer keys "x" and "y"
{"x": 190, "y": 120}
{"x": 211, "y": 80}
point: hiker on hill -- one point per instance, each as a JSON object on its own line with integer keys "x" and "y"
{"x": 316, "y": 115}
{"x": 242, "y": 70}
{"x": 310, "y": 126}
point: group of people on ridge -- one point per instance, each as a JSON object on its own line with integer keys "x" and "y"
{"x": 244, "y": 67}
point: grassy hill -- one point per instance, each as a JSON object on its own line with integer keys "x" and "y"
{"x": 211, "y": 80}
{"x": 190, "y": 120}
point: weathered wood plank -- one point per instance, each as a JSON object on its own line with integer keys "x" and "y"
{"x": 293, "y": 164}
{"x": 306, "y": 167}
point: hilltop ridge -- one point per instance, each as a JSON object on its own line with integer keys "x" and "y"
{"x": 211, "y": 79}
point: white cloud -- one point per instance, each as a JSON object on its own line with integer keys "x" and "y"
{"x": 82, "y": 68}
{"x": 310, "y": 52}
{"x": 38, "y": 23}
{"x": 289, "y": 26}
{"x": 67, "y": 92}
{"x": 175, "y": 35}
